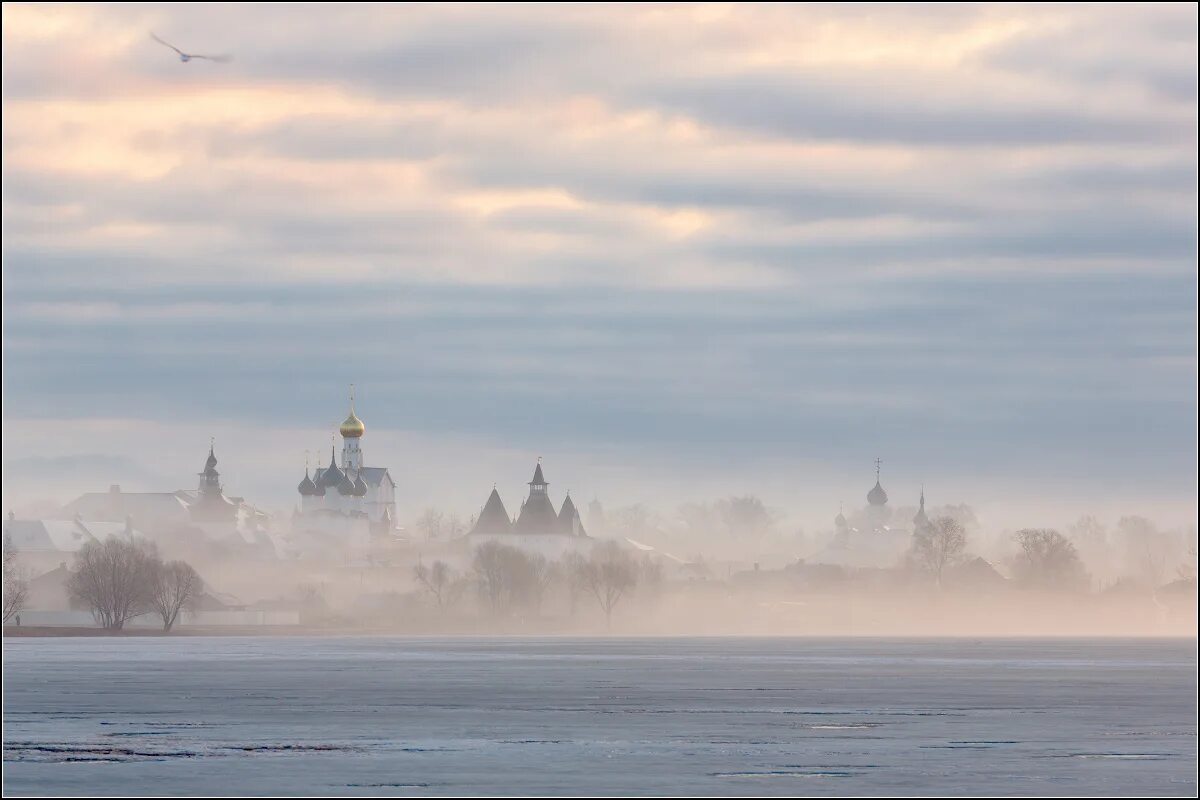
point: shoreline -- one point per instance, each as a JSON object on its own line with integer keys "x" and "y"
{"x": 65, "y": 632}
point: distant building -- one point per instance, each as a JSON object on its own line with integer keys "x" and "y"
{"x": 224, "y": 520}
{"x": 596, "y": 520}
{"x": 58, "y": 536}
{"x": 537, "y": 526}
{"x": 210, "y": 503}
{"x": 921, "y": 520}
{"x": 147, "y": 509}
{"x": 867, "y": 538}
{"x": 350, "y": 491}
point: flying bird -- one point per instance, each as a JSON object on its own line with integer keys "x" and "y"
{"x": 186, "y": 57}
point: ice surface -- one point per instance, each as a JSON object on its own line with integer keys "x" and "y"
{"x": 418, "y": 716}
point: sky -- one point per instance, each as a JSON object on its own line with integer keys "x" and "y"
{"x": 678, "y": 251}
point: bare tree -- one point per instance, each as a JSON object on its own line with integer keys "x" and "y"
{"x": 542, "y": 573}
{"x": 1150, "y": 550}
{"x": 572, "y": 566}
{"x": 430, "y": 523}
{"x": 650, "y": 578}
{"x": 455, "y": 527}
{"x": 16, "y": 583}
{"x": 635, "y": 520}
{"x": 505, "y": 574}
{"x": 1048, "y": 560}
{"x": 745, "y": 516}
{"x": 176, "y": 587}
{"x": 314, "y": 608}
{"x": 608, "y": 574}
{"x": 700, "y": 519}
{"x": 440, "y": 581}
{"x": 114, "y": 578}
{"x": 1187, "y": 570}
{"x": 937, "y": 546}
{"x": 1089, "y": 531}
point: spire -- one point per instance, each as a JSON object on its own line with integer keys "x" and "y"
{"x": 921, "y": 519}
{"x": 332, "y": 476}
{"x": 210, "y": 463}
{"x": 877, "y": 496}
{"x": 539, "y": 480}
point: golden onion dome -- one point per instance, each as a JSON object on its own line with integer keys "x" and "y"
{"x": 353, "y": 427}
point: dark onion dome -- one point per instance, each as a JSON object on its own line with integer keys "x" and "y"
{"x": 877, "y": 496}
{"x": 840, "y": 520}
{"x": 332, "y": 476}
{"x": 360, "y": 488}
{"x": 307, "y": 487}
{"x": 345, "y": 487}
{"x": 210, "y": 465}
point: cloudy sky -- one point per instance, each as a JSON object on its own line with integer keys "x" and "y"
{"x": 677, "y": 250}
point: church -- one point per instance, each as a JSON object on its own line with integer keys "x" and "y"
{"x": 537, "y": 527}
{"x": 870, "y": 537}
{"x": 350, "y": 491}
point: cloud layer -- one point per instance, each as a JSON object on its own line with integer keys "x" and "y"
{"x": 962, "y": 238}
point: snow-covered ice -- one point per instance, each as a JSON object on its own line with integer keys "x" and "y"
{"x": 396, "y": 715}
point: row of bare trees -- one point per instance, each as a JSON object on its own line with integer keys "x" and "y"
{"x": 119, "y": 579}
{"x": 1046, "y": 560}
{"x": 507, "y": 578}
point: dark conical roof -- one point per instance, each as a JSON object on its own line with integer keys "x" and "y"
{"x": 568, "y": 508}
{"x": 877, "y": 496}
{"x": 537, "y": 515}
{"x": 493, "y": 518}
{"x": 538, "y": 478}
{"x": 568, "y": 518}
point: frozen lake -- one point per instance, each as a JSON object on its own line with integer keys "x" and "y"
{"x": 358, "y": 715}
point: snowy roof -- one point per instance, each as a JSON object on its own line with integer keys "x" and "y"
{"x": 116, "y": 506}
{"x": 375, "y": 476}
{"x": 47, "y": 536}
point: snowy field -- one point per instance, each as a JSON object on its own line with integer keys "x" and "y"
{"x": 618, "y": 716}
